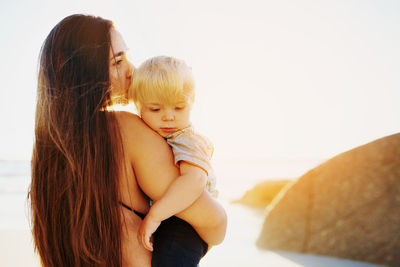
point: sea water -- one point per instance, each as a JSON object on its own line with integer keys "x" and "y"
{"x": 234, "y": 177}
{"x": 14, "y": 184}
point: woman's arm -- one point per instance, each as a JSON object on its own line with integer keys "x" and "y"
{"x": 153, "y": 164}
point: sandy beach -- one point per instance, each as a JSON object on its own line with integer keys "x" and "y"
{"x": 16, "y": 249}
{"x": 238, "y": 249}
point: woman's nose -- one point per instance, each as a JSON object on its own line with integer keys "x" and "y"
{"x": 130, "y": 69}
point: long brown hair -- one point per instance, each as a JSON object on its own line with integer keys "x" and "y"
{"x": 74, "y": 192}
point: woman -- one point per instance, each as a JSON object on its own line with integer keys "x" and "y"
{"x": 87, "y": 161}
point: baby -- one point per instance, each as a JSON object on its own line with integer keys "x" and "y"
{"x": 163, "y": 92}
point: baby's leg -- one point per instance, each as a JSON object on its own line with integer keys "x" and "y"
{"x": 176, "y": 243}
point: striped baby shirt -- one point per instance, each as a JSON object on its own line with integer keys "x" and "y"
{"x": 196, "y": 149}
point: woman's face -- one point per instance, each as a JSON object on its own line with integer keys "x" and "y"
{"x": 120, "y": 67}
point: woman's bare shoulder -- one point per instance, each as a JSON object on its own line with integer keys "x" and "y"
{"x": 132, "y": 125}
{"x": 136, "y": 132}
{"x": 127, "y": 119}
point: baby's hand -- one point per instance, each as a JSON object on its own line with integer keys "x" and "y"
{"x": 146, "y": 230}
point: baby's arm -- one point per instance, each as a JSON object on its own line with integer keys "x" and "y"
{"x": 179, "y": 196}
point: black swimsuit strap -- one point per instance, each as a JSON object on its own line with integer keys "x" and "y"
{"x": 141, "y": 215}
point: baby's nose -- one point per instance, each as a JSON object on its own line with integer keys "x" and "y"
{"x": 169, "y": 116}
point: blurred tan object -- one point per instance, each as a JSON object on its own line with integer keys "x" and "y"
{"x": 262, "y": 194}
{"x": 348, "y": 207}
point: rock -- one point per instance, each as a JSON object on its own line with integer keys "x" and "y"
{"x": 348, "y": 207}
{"x": 262, "y": 194}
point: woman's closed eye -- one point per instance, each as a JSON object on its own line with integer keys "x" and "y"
{"x": 117, "y": 61}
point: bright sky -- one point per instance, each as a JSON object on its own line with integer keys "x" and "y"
{"x": 275, "y": 79}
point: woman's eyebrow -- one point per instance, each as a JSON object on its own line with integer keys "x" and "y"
{"x": 117, "y": 55}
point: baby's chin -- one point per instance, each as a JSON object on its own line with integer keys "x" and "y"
{"x": 163, "y": 134}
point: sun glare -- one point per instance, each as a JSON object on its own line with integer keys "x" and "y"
{"x": 120, "y": 107}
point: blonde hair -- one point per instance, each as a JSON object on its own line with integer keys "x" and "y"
{"x": 164, "y": 78}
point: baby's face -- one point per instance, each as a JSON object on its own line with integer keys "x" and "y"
{"x": 166, "y": 119}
